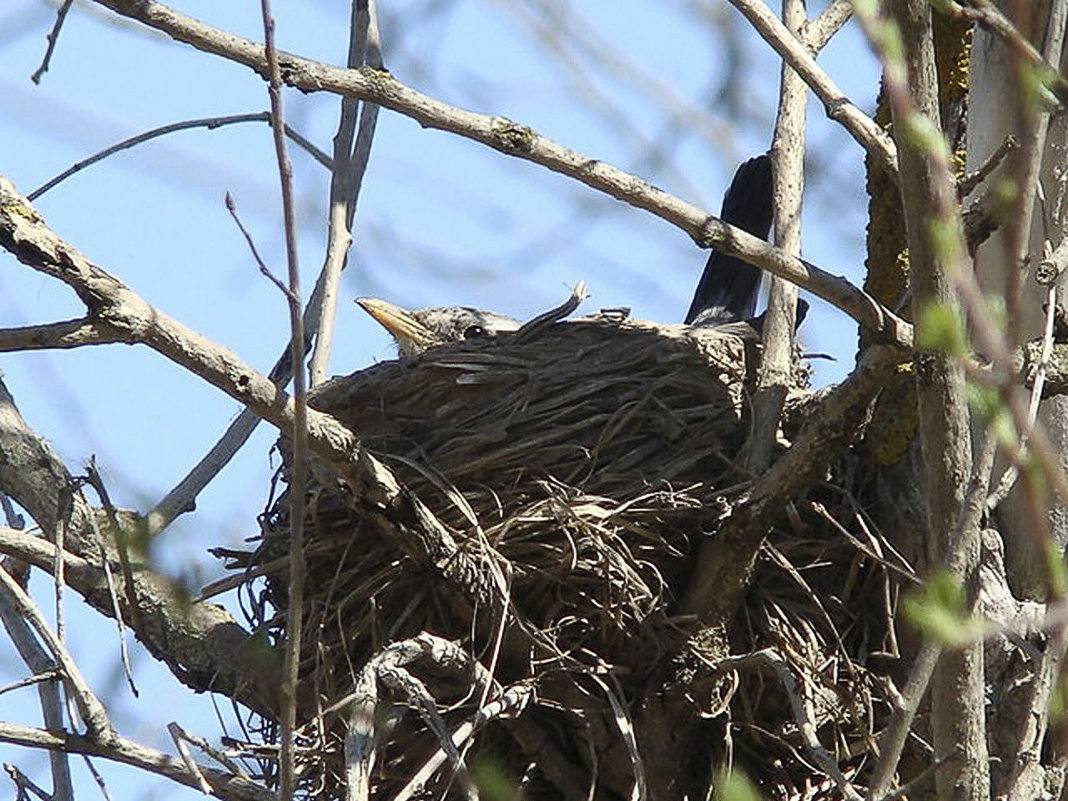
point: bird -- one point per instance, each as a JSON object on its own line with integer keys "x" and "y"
{"x": 728, "y": 289}
{"x": 419, "y": 329}
{"x": 725, "y": 299}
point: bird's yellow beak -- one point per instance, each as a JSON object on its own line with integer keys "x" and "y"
{"x": 410, "y": 334}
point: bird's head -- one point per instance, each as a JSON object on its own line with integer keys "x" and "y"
{"x": 415, "y": 331}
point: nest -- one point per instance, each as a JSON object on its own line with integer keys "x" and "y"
{"x": 565, "y": 481}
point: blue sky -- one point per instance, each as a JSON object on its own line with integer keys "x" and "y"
{"x": 441, "y": 221}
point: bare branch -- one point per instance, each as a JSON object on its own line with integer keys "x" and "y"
{"x": 53, "y": 40}
{"x": 24, "y": 234}
{"x": 892, "y": 740}
{"x": 265, "y": 271}
{"x": 68, "y": 334}
{"x": 969, "y": 182}
{"x": 299, "y": 431}
{"x": 350, "y": 162}
{"x": 1038, "y": 384}
{"x": 224, "y": 785}
{"x": 788, "y": 156}
{"x": 522, "y": 142}
{"x": 206, "y": 122}
{"x": 122, "y": 548}
{"x": 839, "y": 108}
{"x": 48, "y": 677}
{"x": 89, "y": 707}
{"x": 818, "y": 31}
{"x": 201, "y": 643}
{"x": 725, "y": 561}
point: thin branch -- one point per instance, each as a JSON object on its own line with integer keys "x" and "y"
{"x": 206, "y": 122}
{"x": 178, "y": 733}
{"x": 201, "y": 643}
{"x": 265, "y": 271}
{"x": 224, "y": 785}
{"x": 178, "y": 738}
{"x": 182, "y": 497}
{"x": 818, "y": 31}
{"x": 992, "y": 19}
{"x": 67, "y": 334}
{"x": 26, "y": 786}
{"x": 839, "y": 108}
{"x": 53, "y": 40}
{"x": 350, "y": 165}
{"x": 509, "y": 703}
{"x": 892, "y": 740}
{"x": 96, "y": 481}
{"x": 23, "y": 233}
{"x": 969, "y": 182}
{"x": 1038, "y": 383}
{"x": 98, "y": 777}
{"x": 89, "y": 707}
{"x": 788, "y": 156}
{"x": 63, "y": 515}
{"x": 522, "y": 142}
{"x": 49, "y": 674}
{"x": 299, "y": 432}
{"x": 49, "y": 693}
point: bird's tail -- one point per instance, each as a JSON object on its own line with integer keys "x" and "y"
{"x": 728, "y": 288}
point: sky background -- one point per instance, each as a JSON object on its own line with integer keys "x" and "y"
{"x": 676, "y": 92}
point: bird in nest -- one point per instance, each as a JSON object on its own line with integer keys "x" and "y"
{"x": 419, "y": 329}
{"x": 726, "y": 295}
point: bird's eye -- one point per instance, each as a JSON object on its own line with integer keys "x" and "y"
{"x": 473, "y": 331}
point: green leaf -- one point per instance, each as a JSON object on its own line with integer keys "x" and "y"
{"x": 941, "y": 329}
{"x": 492, "y": 781}
{"x": 940, "y": 611}
{"x": 733, "y": 785}
{"x": 987, "y": 404}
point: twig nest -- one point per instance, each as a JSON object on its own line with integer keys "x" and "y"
{"x": 583, "y": 458}
{"x": 554, "y": 490}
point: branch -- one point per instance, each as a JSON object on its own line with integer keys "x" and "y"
{"x": 724, "y": 562}
{"x": 90, "y": 709}
{"x": 182, "y": 497}
{"x": 67, "y": 334}
{"x": 520, "y": 141}
{"x": 201, "y": 643}
{"x": 24, "y": 234}
{"x": 53, "y": 40}
{"x": 990, "y": 17}
{"x": 839, "y": 108}
{"x": 788, "y": 154}
{"x": 211, "y": 123}
{"x": 401, "y": 515}
{"x": 937, "y": 256}
{"x": 351, "y": 154}
{"x": 299, "y": 431}
{"x": 224, "y": 785}
{"x": 818, "y": 31}
{"x": 48, "y": 689}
